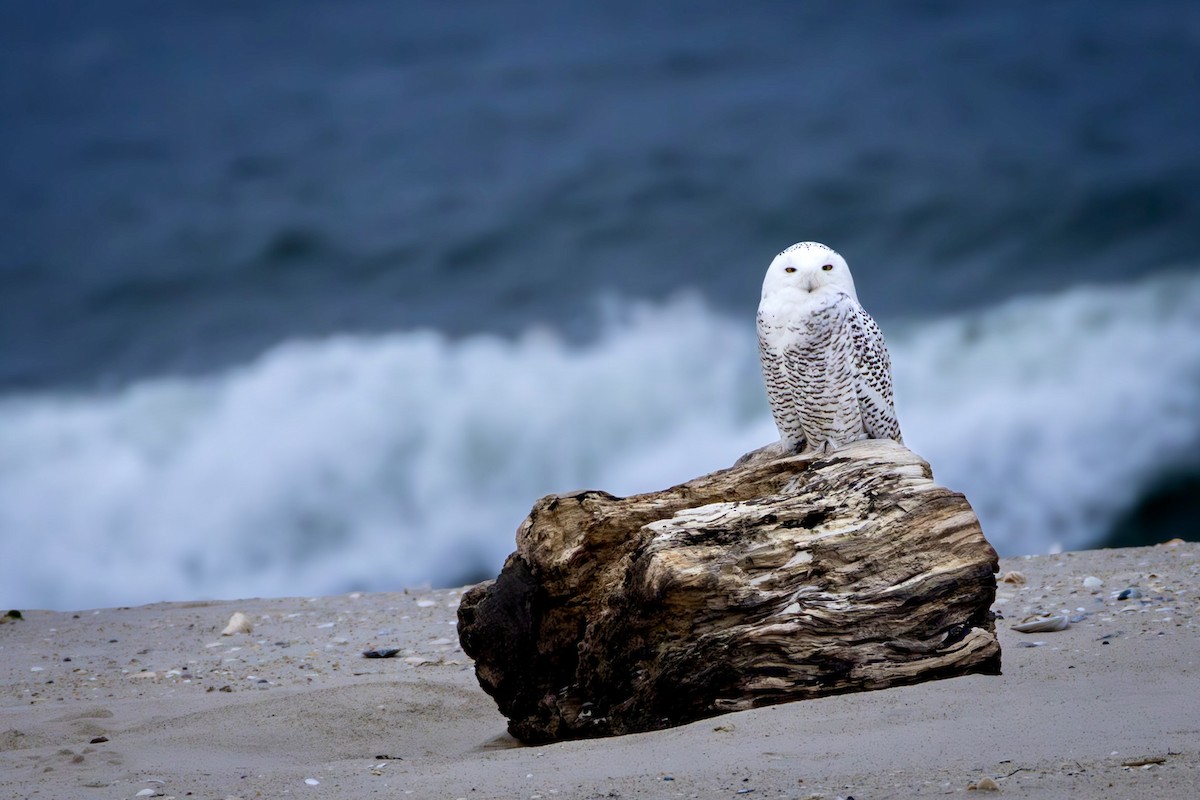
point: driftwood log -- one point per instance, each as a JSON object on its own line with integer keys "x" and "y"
{"x": 781, "y": 578}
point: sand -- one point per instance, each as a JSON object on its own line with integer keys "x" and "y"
{"x": 119, "y": 703}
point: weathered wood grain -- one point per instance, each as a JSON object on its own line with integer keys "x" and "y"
{"x": 781, "y": 578}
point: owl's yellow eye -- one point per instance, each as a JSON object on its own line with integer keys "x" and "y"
{"x": 827, "y": 267}
{"x": 789, "y": 269}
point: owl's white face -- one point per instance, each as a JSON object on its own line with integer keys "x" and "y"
{"x": 809, "y": 268}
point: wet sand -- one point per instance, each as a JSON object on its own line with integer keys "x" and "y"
{"x": 120, "y": 703}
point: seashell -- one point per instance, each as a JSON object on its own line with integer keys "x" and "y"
{"x": 1131, "y": 593}
{"x": 984, "y": 785}
{"x": 238, "y": 623}
{"x": 1042, "y": 625}
{"x": 1013, "y": 577}
{"x": 1092, "y": 582}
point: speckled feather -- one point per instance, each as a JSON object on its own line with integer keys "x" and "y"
{"x": 825, "y": 363}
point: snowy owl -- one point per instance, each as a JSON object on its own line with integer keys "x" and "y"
{"x": 827, "y": 371}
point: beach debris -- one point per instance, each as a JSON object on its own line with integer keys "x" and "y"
{"x": 238, "y": 623}
{"x": 388, "y": 652}
{"x": 98, "y": 740}
{"x": 145, "y": 674}
{"x": 1042, "y": 624}
{"x": 1013, "y": 577}
{"x": 148, "y": 793}
{"x": 1132, "y": 593}
{"x": 12, "y": 616}
{"x": 984, "y": 784}
{"x": 312, "y": 781}
{"x": 1143, "y": 761}
{"x": 1092, "y": 582}
{"x": 595, "y": 576}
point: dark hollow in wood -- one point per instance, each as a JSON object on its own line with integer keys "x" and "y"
{"x": 779, "y": 579}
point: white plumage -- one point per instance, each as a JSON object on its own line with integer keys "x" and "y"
{"x": 825, "y": 364}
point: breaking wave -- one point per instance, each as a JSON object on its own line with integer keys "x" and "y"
{"x": 379, "y": 462}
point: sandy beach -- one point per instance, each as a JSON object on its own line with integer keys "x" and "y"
{"x": 154, "y": 701}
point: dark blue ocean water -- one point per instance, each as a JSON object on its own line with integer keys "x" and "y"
{"x": 283, "y": 272}
{"x": 184, "y": 184}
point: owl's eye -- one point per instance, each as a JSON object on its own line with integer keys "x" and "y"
{"x": 827, "y": 267}
{"x": 789, "y": 269}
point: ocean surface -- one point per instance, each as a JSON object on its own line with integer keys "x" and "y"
{"x": 308, "y": 297}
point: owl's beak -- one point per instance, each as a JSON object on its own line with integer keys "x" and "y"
{"x": 810, "y": 286}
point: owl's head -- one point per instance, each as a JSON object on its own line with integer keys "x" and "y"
{"x": 809, "y": 267}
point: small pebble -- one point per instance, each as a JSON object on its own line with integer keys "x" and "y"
{"x": 984, "y": 785}
{"x": 1042, "y": 625}
{"x": 1092, "y": 582}
{"x": 146, "y": 793}
{"x": 389, "y": 652}
{"x": 312, "y": 781}
{"x": 1129, "y": 594}
{"x": 238, "y": 623}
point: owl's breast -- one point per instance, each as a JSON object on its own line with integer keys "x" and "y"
{"x": 791, "y": 320}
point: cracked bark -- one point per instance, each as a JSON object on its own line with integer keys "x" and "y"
{"x": 779, "y": 579}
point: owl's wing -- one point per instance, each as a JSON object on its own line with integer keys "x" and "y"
{"x": 873, "y": 378}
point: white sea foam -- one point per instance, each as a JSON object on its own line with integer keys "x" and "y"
{"x": 381, "y": 462}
